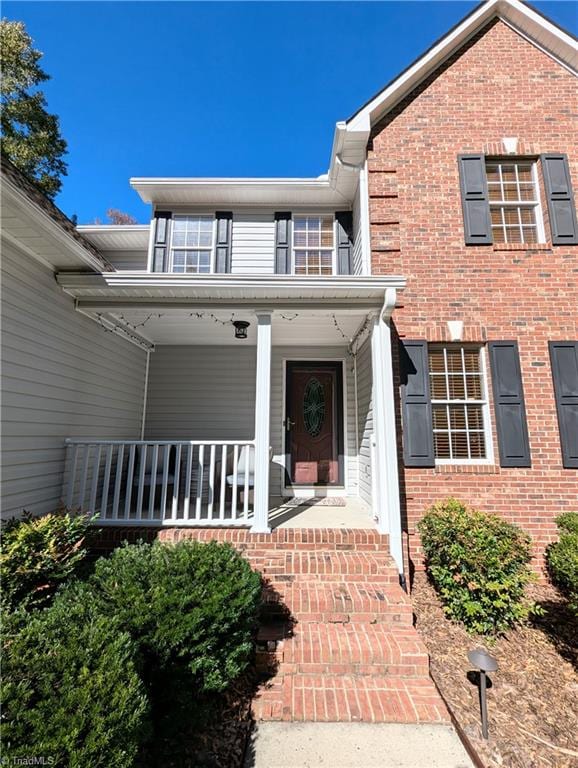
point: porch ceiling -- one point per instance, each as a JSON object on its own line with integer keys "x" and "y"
{"x": 214, "y": 327}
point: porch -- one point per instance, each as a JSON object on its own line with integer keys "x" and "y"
{"x": 234, "y": 429}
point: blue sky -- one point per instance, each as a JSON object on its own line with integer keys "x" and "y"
{"x": 217, "y": 89}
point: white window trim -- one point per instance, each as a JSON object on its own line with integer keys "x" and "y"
{"x": 183, "y": 215}
{"x": 535, "y": 204}
{"x": 484, "y": 402}
{"x": 302, "y": 215}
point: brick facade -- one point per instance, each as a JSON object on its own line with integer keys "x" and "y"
{"x": 498, "y": 85}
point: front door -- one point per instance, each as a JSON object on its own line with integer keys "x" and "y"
{"x": 314, "y": 423}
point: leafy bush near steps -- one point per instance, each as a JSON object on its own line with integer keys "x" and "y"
{"x": 479, "y": 565}
{"x": 191, "y": 603}
{"x": 70, "y": 686}
{"x": 39, "y": 554}
{"x": 562, "y": 558}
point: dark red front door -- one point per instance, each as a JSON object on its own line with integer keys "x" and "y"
{"x": 313, "y": 423}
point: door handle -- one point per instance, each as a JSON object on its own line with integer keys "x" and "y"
{"x": 289, "y": 424}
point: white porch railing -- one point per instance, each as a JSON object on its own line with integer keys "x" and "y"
{"x": 160, "y": 482}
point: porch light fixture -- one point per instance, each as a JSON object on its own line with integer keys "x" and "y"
{"x": 482, "y": 660}
{"x": 241, "y": 328}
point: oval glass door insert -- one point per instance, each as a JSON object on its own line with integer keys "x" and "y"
{"x": 313, "y": 407}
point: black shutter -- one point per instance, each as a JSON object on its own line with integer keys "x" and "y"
{"x": 344, "y": 242}
{"x": 224, "y": 241}
{"x": 160, "y": 262}
{"x": 509, "y": 405}
{"x": 418, "y": 445}
{"x": 561, "y": 206}
{"x": 564, "y": 360}
{"x": 283, "y": 243}
{"x": 475, "y": 200}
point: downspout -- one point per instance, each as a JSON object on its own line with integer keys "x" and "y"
{"x": 145, "y": 395}
{"x": 387, "y": 451}
{"x": 356, "y": 416}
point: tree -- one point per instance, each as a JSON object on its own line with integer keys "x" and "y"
{"x": 29, "y": 135}
{"x": 119, "y": 217}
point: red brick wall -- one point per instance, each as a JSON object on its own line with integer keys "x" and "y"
{"x": 498, "y": 85}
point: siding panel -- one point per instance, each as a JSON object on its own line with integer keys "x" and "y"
{"x": 364, "y": 420}
{"x": 201, "y": 392}
{"x": 62, "y": 376}
{"x": 253, "y": 243}
{"x": 357, "y": 256}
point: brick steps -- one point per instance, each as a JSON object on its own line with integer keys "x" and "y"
{"x": 331, "y": 566}
{"x": 350, "y": 698}
{"x": 338, "y": 602}
{"x": 337, "y": 632}
{"x": 355, "y": 649}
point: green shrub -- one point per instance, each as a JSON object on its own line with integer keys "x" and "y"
{"x": 190, "y": 604}
{"x": 562, "y": 558}
{"x": 192, "y": 610}
{"x": 70, "y": 688}
{"x": 38, "y": 555}
{"x": 479, "y": 565}
{"x": 568, "y": 522}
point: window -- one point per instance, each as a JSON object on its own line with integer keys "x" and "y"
{"x": 192, "y": 244}
{"x": 514, "y": 202}
{"x": 459, "y": 404}
{"x": 313, "y": 245}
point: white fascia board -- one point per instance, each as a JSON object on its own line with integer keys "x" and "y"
{"x": 53, "y": 229}
{"x": 115, "y": 237}
{"x": 247, "y": 191}
{"x": 553, "y": 40}
{"x": 274, "y": 291}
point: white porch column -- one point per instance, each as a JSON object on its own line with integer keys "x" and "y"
{"x": 385, "y": 469}
{"x": 262, "y": 422}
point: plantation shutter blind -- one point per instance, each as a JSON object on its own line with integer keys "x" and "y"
{"x": 344, "y": 221}
{"x": 561, "y": 208}
{"x": 223, "y": 244}
{"x": 475, "y": 200}
{"x": 509, "y": 407}
{"x": 564, "y": 360}
{"x": 160, "y": 257}
{"x": 283, "y": 243}
{"x": 418, "y": 444}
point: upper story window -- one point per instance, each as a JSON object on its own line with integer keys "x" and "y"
{"x": 313, "y": 245}
{"x": 459, "y": 403}
{"x": 514, "y": 201}
{"x": 192, "y": 243}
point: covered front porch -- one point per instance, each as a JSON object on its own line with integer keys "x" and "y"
{"x": 291, "y": 426}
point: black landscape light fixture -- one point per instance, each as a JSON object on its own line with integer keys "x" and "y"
{"x": 485, "y": 663}
{"x": 241, "y": 328}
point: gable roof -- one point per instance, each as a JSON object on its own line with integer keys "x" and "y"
{"x": 561, "y": 45}
{"x": 23, "y": 201}
{"x": 527, "y": 21}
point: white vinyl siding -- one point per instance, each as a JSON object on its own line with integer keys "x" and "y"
{"x": 194, "y": 396}
{"x": 62, "y": 376}
{"x": 364, "y": 420}
{"x": 253, "y": 250}
{"x": 201, "y": 393}
{"x": 357, "y": 255}
{"x": 132, "y": 261}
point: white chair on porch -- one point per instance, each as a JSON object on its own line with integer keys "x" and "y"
{"x": 245, "y": 466}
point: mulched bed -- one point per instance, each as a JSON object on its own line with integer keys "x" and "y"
{"x": 533, "y": 701}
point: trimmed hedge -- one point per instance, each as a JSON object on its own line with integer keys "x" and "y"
{"x": 479, "y": 565}
{"x": 39, "y": 554}
{"x": 562, "y": 558}
{"x": 190, "y": 603}
{"x": 70, "y": 686}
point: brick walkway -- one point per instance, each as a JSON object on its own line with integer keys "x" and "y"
{"x": 337, "y": 642}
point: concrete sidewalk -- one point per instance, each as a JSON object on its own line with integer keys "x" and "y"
{"x": 355, "y": 745}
